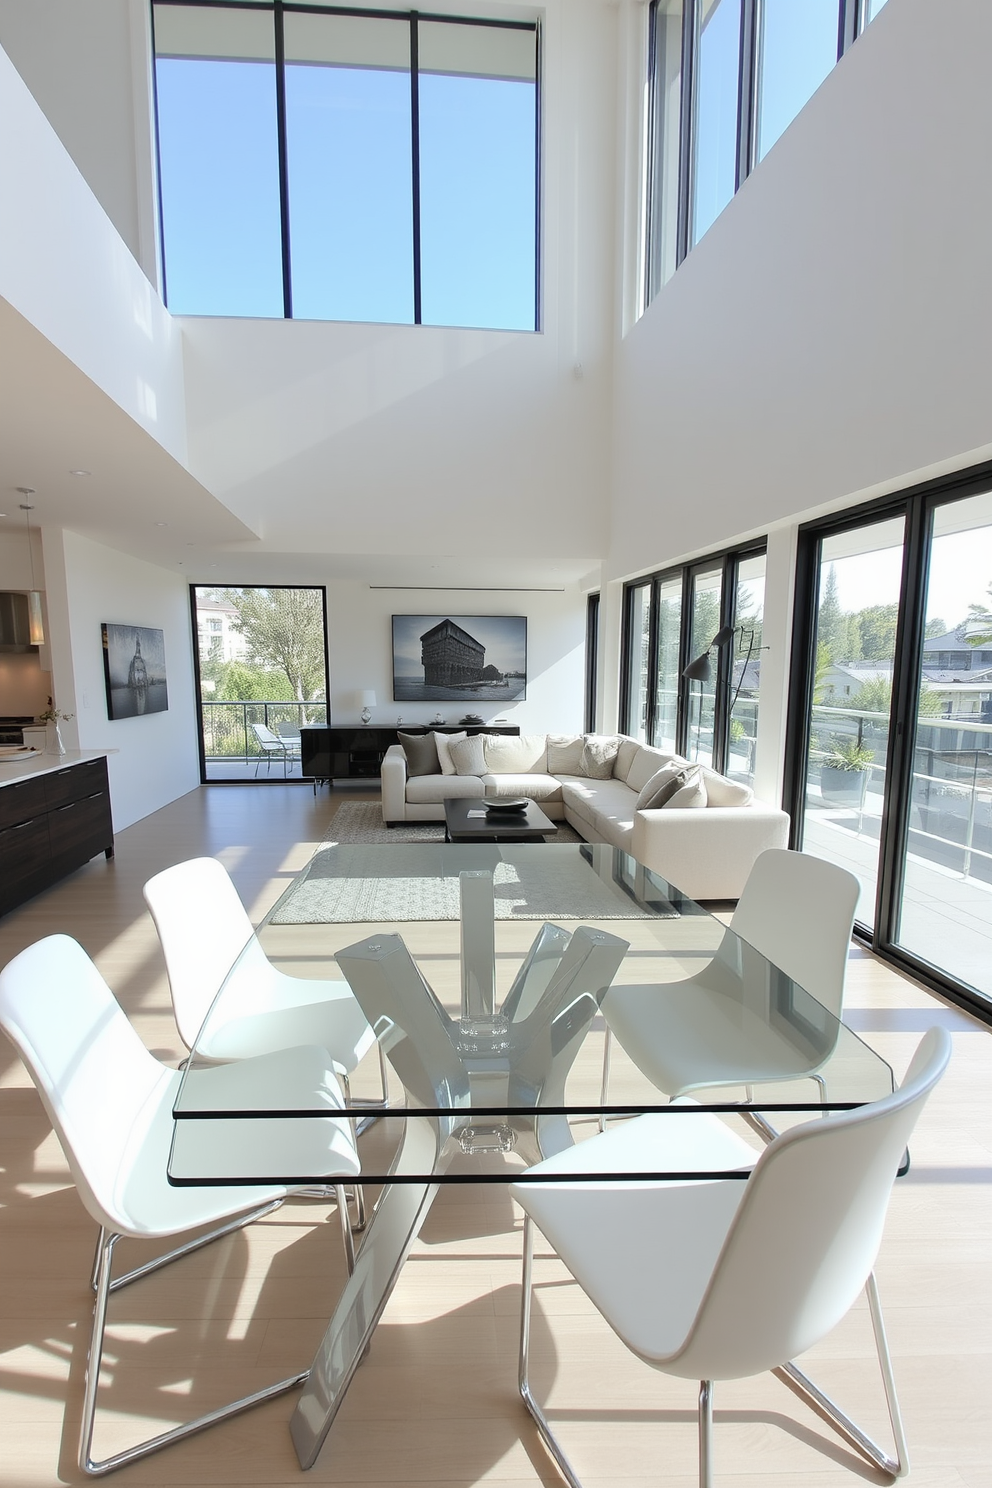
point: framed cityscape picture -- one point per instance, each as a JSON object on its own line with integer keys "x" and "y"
{"x": 134, "y": 670}
{"x": 459, "y": 658}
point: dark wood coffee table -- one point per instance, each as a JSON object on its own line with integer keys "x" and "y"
{"x": 469, "y": 821}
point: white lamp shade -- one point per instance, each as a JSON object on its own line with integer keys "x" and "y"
{"x": 367, "y": 699}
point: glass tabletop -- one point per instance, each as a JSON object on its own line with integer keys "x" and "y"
{"x": 495, "y": 979}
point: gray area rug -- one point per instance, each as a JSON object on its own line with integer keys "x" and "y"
{"x": 389, "y": 878}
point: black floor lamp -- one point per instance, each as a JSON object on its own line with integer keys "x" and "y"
{"x": 701, "y": 669}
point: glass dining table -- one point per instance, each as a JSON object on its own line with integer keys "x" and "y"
{"x": 493, "y": 977}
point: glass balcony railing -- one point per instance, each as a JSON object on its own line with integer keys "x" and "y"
{"x": 945, "y": 914}
{"x": 233, "y": 748}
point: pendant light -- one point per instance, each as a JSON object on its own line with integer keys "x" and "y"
{"x": 36, "y": 624}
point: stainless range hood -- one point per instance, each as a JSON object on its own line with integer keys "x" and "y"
{"x": 15, "y": 623}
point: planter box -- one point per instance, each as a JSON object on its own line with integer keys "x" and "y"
{"x": 843, "y": 787}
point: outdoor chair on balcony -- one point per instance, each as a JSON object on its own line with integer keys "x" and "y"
{"x": 270, "y": 744}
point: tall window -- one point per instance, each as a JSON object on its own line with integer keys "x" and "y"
{"x": 726, "y": 77}
{"x": 672, "y": 619}
{"x": 261, "y": 676}
{"x": 891, "y": 723}
{"x": 330, "y": 164}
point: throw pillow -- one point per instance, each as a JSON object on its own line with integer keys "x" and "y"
{"x": 598, "y": 753}
{"x": 565, "y": 754}
{"x": 723, "y": 792}
{"x": 675, "y": 784}
{"x": 468, "y": 756}
{"x": 444, "y": 743}
{"x": 421, "y": 754}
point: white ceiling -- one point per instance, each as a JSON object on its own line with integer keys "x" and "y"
{"x": 139, "y": 500}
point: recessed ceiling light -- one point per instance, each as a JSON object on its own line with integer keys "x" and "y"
{"x": 161, "y": 524}
{"x": 80, "y": 472}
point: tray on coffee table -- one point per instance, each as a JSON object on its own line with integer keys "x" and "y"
{"x": 469, "y": 821}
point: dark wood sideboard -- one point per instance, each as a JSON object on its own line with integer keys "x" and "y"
{"x": 356, "y": 752}
{"x": 50, "y": 825}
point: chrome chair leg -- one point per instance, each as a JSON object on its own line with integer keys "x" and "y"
{"x": 605, "y": 1086}
{"x": 180, "y": 1250}
{"x": 705, "y": 1434}
{"x": 897, "y": 1466}
{"x": 523, "y": 1372}
{"x": 105, "y": 1286}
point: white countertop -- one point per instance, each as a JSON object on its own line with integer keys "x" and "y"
{"x": 15, "y": 770}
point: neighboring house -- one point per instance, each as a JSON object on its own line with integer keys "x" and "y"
{"x": 218, "y": 639}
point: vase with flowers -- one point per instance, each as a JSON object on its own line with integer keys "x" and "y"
{"x": 52, "y": 717}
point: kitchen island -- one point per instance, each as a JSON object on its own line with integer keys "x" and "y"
{"x": 54, "y": 817}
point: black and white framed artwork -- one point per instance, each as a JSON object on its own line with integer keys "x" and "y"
{"x": 134, "y": 670}
{"x": 459, "y": 658}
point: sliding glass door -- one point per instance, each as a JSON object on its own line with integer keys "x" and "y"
{"x": 944, "y": 908}
{"x": 889, "y": 764}
{"x": 704, "y": 622}
{"x": 673, "y": 619}
{"x": 858, "y": 581}
{"x": 668, "y": 606}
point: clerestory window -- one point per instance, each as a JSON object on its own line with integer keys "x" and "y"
{"x": 333, "y": 163}
{"x": 726, "y": 77}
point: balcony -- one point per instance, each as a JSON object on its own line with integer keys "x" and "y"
{"x": 232, "y": 749}
{"x": 946, "y": 915}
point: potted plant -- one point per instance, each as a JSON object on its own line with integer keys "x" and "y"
{"x": 844, "y": 773}
{"x": 52, "y": 717}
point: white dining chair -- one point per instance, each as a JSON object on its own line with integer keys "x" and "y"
{"x": 205, "y": 934}
{"x": 111, "y": 1104}
{"x": 797, "y": 912}
{"x": 721, "y": 1278}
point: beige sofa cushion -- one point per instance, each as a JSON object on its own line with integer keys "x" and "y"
{"x": 430, "y": 790}
{"x": 565, "y": 753}
{"x": 444, "y": 743}
{"x": 723, "y": 792}
{"x": 626, "y": 756}
{"x": 647, "y": 763}
{"x": 606, "y": 807}
{"x": 508, "y": 787}
{"x": 509, "y": 754}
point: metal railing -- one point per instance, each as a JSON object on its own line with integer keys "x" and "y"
{"x": 951, "y": 802}
{"x": 227, "y": 727}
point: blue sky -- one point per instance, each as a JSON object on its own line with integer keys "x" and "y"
{"x": 350, "y": 192}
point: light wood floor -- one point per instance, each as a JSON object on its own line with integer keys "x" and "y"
{"x": 436, "y": 1401}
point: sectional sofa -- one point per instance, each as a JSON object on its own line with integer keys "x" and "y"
{"x": 705, "y": 848}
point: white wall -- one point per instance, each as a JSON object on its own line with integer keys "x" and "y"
{"x": 88, "y": 584}
{"x": 360, "y": 639}
{"x": 65, "y": 268}
{"x": 827, "y": 340}
{"x": 830, "y": 334}
{"x": 77, "y": 61}
{"x": 403, "y": 439}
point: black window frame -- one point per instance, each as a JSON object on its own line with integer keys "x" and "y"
{"x": 729, "y": 559}
{"x": 852, "y": 18}
{"x": 917, "y": 504}
{"x": 279, "y": 9}
{"x": 592, "y": 660}
{"x": 192, "y": 588}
